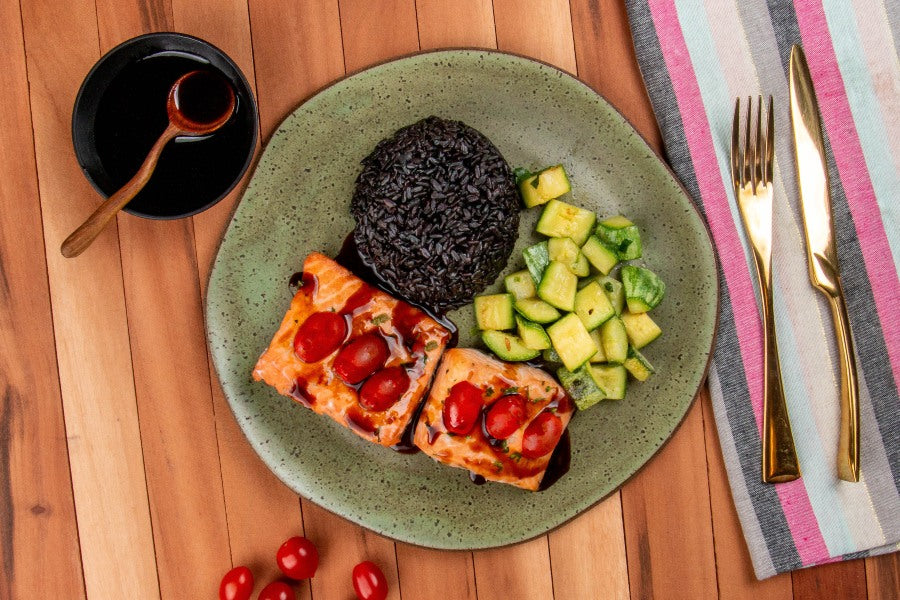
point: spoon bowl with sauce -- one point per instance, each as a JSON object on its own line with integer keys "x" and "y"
{"x": 199, "y": 103}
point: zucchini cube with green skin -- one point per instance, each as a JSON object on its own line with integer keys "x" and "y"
{"x": 600, "y": 357}
{"x": 507, "y": 346}
{"x": 494, "y": 311}
{"x": 571, "y": 341}
{"x": 611, "y": 379}
{"x": 532, "y": 334}
{"x": 580, "y": 386}
{"x": 602, "y": 258}
{"x": 621, "y": 236}
{"x": 558, "y": 286}
{"x": 537, "y": 258}
{"x": 639, "y": 367}
{"x": 550, "y": 356}
{"x": 615, "y": 340}
{"x": 520, "y": 285}
{"x": 640, "y": 329}
{"x": 643, "y": 288}
{"x": 593, "y": 306}
{"x": 614, "y": 291}
{"x": 566, "y": 251}
{"x": 545, "y": 185}
{"x": 560, "y": 219}
{"x": 535, "y": 309}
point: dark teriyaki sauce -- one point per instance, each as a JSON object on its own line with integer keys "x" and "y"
{"x": 203, "y": 97}
{"x": 560, "y": 461}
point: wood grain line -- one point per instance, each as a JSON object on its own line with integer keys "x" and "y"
{"x": 883, "y": 576}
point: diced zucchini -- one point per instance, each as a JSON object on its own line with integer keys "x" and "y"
{"x": 536, "y": 259}
{"x": 564, "y": 250}
{"x": 580, "y": 386}
{"x": 640, "y": 329}
{"x": 532, "y": 334}
{"x": 494, "y": 311}
{"x": 600, "y": 356}
{"x": 615, "y": 340}
{"x": 621, "y": 236}
{"x": 639, "y": 367}
{"x": 536, "y": 310}
{"x": 571, "y": 341}
{"x": 560, "y": 219}
{"x": 550, "y": 356}
{"x": 507, "y": 346}
{"x": 599, "y": 255}
{"x": 643, "y": 288}
{"x": 558, "y": 286}
{"x": 550, "y": 183}
{"x": 593, "y": 306}
{"x": 520, "y": 285}
{"x": 614, "y": 291}
{"x": 611, "y": 379}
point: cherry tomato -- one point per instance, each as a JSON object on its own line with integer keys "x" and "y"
{"x": 361, "y": 357}
{"x": 541, "y": 435}
{"x": 298, "y": 558}
{"x": 369, "y": 582}
{"x": 461, "y": 408}
{"x": 321, "y": 334}
{"x": 277, "y": 590}
{"x": 237, "y": 584}
{"x": 384, "y": 388}
{"x": 505, "y": 416}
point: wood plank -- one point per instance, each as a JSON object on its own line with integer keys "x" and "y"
{"x": 587, "y": 555}
{"x": 837, "y": 580}
{"x": 605, "y": 54}
{"x": 668, "y": 526}
{"x": 521, "y": 571}
{"x": 37, "y": 509}
{"x": 455, "y": 24}
{"x": 375, "y": 32}
{"x": 541, "y": 29}
{"x": 89, "y": 318}
{"x": 883, "y": 576}
{"x": 733, "y": 566}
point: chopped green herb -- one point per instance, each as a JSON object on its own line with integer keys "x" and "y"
{"x": 521, "y": 174}
{"x": 379, "y": 319}
{"x": 516, "y": 456}
{"x": 536, "y": 181}
{"x": 608, "y": 287}
{"x": 431, "y": 346}
{"x": 504, "y": 446}
{"x": 489, "y": 391}
{"x": 498, "y": 465}
{"x": 510, "y": 390}
{"x": 333, "y": 309}
{"x": 547, "y": 388}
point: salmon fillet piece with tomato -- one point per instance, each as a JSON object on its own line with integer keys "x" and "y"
{"x": 498, "y": 420}
{"x": 350, "y": 351}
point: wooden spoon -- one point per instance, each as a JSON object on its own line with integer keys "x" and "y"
{"x": 200, "y": 102}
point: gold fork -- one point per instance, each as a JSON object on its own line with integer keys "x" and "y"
{"x": 751, "y": 172}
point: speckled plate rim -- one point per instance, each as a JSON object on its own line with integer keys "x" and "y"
{"x": 707, "y": 239}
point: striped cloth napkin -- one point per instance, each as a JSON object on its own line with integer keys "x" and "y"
{"x": 696, "y": 57}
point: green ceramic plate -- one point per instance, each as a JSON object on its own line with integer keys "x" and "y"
{"x": 298, "y": 201}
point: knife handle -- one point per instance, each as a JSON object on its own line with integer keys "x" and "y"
{"x": 848, "y": 443}
{"x": 779, "y": 461}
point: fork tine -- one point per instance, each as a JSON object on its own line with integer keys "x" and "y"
{"x": 736, "y": 146}
{"x": 758, "y": 150}
{"x": 770, "y": 143}
{"x": 747, "y": 175}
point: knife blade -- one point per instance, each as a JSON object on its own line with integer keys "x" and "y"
{"x": 821, "y": 248}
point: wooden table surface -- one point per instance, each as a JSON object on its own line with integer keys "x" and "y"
{"x": 122, "y": 471}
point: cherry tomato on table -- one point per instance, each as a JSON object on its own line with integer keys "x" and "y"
{"x": 277, "y": 590}
{"x": 320, "y": 334}
{"x": 541, "y": 435}
{"x": 462, "y": 407}
{"x": 384, "y": 388}
{"x": 361, "y": 357}
{"x": 505, "y": 416}
{"x": 237, "y": 584}
{"x": 298, "y": 558}
{"x": 369, "y": 582}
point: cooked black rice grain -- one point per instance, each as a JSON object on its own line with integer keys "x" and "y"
{"x": 436, "y": 212}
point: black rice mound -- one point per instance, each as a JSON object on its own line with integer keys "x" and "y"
{"x": 437, "y": 213}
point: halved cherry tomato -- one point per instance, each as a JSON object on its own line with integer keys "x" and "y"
{"x": 541, "y": 435}
{"x": 369, "y": 582}
{"x": 298, "y": 558}
{"x": 320, "y": 334}
{"x": 505, "y": 416}
{"x": 462, "y": 407}
{"x": 237, "y": 584}
{"x": 361, "y": 357}
{"x": 277, "y": 590}
{"x": 384, "y": 388}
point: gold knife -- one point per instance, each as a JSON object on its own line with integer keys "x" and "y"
{"x": 821, "y": 251}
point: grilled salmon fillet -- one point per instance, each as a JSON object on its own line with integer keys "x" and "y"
{"x": 413, "y": 341}
{"x": 507, "y": 460}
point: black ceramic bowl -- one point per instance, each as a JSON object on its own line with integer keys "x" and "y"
{"x": 120, "y": 111}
